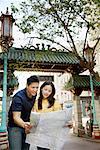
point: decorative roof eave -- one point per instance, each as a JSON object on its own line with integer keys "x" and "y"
{"x": 41, "y": 70}
{"x": 30, "y": 66}
{"x": 81, "y": 82}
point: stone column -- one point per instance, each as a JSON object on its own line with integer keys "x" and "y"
{"x": 97, "y": 108}
{"x": 77, "y": 116}
{"x": 83, "y": 108}
{"x": 96, "y": 128}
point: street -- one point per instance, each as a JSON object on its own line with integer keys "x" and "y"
{"x": 77, "y": 143}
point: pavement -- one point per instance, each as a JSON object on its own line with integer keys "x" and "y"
{"x": 80, "y": 143}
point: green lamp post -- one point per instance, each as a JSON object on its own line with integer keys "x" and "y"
{"x": 89, "y": 52}
{"x": 6, "y": 42}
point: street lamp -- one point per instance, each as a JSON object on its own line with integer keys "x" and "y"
{"x": 89, "y": 52}
{"x": 6, "y": 42}
{"x": 6, "y": 39}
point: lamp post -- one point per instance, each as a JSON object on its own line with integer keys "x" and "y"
{"x": 6, "y": 42}
{"x": 88, "y": 52}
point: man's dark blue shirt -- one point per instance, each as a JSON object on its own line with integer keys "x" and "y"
{"x": 21, "y": 103}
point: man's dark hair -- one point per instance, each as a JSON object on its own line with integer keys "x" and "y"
{"x": 32, "y": 79}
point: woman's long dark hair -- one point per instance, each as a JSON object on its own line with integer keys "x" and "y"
{"x": 51, "y": 98}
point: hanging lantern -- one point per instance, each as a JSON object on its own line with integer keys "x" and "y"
{"x": 7, "y": 21}
{"x": 6, "y": 39}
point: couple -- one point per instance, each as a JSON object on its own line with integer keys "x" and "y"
{"x": 22, "y": 104}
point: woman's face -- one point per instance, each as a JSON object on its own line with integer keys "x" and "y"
{"x": 46, "y": 91}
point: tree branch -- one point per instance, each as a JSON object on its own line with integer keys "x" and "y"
{"x": 85, "y": 39}
{"x": 79, "y": 14}
{"x": 65, "y": 27}
{"x": 96, "y": 43}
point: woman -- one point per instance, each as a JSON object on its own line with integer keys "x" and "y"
{"x": 46, "y": 101}
{"x": 51, "y": 120}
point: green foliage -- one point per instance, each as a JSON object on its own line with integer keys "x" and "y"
{"x": 56, "y": 19}
{"x": 97, "y": 2}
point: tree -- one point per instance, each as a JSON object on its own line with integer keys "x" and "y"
{"x": 97, "y": 2}
{"x": 60, "y": 22}
{"x": 92, "y": 10}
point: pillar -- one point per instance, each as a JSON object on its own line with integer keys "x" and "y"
{"x": 77, "y": 117}
{"x": 96, "y": 128}
{"x": 83, "y": 108}
{"x": 3, "y": 126}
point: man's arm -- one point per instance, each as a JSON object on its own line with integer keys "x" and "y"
{"x": 17, "y": 119}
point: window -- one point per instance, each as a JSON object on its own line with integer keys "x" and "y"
{"x": 46, "y": 78}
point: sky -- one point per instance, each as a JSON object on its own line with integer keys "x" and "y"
{"x": 7, "y": 3}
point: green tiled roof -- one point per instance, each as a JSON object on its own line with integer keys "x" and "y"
{"x": 41, "y": 60}
{"x": 47, "y": 56}
{"x": 81, "y": 81}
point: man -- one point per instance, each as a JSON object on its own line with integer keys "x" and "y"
{"x": 19, "y": 115}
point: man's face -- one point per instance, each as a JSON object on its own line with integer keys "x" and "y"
{"x": 32, "y": 88}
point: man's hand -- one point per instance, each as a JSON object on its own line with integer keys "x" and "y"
{"x": 27, "y": 127}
